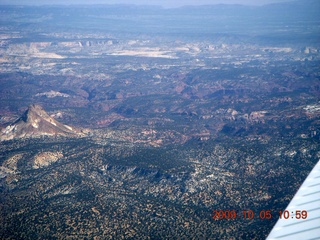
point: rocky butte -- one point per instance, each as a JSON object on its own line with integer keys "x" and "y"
{"x": 36, "y": 122}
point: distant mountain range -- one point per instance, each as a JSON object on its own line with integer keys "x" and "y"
{"x": 290, "y": 20}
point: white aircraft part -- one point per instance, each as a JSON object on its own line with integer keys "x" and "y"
{"x": 306, "y": 199}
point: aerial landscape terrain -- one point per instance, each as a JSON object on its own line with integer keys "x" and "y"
{"x": 143, "y": 122}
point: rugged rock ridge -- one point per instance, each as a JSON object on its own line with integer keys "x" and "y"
{"x": 36, "y": 122}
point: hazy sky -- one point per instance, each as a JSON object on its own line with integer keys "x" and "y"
{"x": 164, "y": 3}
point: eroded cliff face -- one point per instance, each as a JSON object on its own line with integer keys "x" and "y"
{"x": 45, "y": 159}
{"x": 36, "y": 122}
